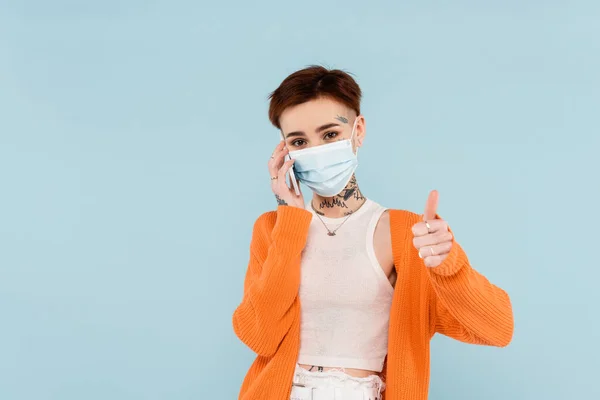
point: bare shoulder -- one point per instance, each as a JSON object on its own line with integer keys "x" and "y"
{"x": 384, "y": 220}
{"x": 382, "y": 230}
{"x": 382, "y": 243}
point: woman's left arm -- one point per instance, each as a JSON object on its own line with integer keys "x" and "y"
{"x": 464, "y": 304}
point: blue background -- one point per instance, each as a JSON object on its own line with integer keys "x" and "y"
{"x": 133, "y": 147}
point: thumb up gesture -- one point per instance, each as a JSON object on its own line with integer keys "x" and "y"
{"x": 431, "y": 237}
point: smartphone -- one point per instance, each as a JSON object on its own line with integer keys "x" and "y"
{"x": 293, "y": 177}
{"x": 290, "y": 173}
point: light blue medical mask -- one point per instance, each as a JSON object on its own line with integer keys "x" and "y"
{"x": 326, "y": 169}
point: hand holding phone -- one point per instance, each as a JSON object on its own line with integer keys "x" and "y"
{"x": 281, "y": 166}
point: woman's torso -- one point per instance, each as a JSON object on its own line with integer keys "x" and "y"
{"x": 349, "y": 277}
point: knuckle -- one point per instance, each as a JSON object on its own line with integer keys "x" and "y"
{"x": 415, "y": 229}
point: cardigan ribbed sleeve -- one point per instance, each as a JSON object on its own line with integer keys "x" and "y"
{"x": 270, "y": 304}
{"x": 464, "y": 304}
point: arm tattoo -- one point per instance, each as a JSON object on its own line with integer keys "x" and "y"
{"x": 342, "y": 119}
{"x": 280, "y": 201}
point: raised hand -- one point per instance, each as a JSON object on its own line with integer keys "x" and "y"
{"x": 278, "y": 169}
{"x": 431, "y": 237}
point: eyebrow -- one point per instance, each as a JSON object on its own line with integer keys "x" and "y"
{"x": 319, "y": 129}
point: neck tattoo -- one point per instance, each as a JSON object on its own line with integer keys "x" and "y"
{"x": 350, "y": 199}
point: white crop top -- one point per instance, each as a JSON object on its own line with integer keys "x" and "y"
{"x": 345, "y": 296}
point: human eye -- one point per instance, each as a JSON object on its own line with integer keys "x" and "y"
{"x": 331, "y": 135}
{"x": 298, "y": 143}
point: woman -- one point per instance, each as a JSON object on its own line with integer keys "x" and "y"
{"x": 341, "y": 295}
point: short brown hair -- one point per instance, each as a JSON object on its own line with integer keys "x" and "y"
{"x": 312, "y": 83}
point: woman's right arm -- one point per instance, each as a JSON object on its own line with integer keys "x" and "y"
{"x": 269, "y": 304}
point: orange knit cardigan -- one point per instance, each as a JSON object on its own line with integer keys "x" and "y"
{"x": 452, "y": 299}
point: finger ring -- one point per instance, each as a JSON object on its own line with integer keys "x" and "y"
{"x": 431, "y": 249}
{"x": 273, "y": 178}
{"x": 428, "y": 227}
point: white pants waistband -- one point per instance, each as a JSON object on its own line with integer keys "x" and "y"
{"x": 334, "y": 385}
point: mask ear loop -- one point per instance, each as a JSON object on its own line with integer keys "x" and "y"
{"x": 354, "y": 128}
{"x": 352, "y": 135}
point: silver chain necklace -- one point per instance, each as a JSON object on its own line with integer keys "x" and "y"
{"x": 329, "y": 231}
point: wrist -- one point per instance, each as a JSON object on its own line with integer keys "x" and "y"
{"x": 294, "y": 202}
{"x": 280, "y": 201}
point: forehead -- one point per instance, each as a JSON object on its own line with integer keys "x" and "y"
{"x": 312, "y": 114}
